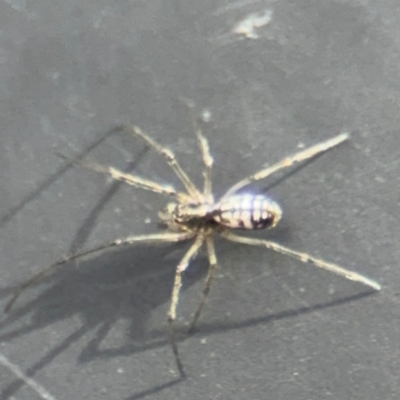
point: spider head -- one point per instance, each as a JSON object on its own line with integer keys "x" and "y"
{"x": 186, "y": 214}
{"x": 190, "y": 213}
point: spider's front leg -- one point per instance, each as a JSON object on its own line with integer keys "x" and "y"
{"x": 190, "y": 254}
{"x": 131, "y": 179}
{"x": 155, "y": 237}
{"x": 212, "y": 257}
{"x": 171, "y": 160}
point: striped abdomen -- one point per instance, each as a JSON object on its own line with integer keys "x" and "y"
{"x": 247, "y": 212}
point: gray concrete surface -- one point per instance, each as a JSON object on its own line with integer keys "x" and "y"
{"x": 275, "y": 76}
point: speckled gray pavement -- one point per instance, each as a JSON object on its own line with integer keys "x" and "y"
{"x": 272, "y": 77}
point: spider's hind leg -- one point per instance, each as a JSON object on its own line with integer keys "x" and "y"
{"x": 287, "y": 162}
{"x": 303, "y": 257}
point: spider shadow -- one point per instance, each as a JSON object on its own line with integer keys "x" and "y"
{"x": 101, "y": 295}
{"x": 129, "y": 285}
{"x": 44, "y": 311}
{"x": 125, "y": 285}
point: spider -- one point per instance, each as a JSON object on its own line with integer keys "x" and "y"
{"x": 195, "y": 214}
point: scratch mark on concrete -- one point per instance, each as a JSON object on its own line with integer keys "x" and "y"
{"x": 19, "y": 5}
{"x": 40, "y": 390}
{"x": 234, "y": 6}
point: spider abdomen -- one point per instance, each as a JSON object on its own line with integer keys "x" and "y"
{"x": 247, "y": 211}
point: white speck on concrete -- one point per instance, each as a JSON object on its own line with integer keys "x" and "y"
{"x": 206, "y": 115}
{"x": 301, "y": 145}
{"x": 247, "y": 26}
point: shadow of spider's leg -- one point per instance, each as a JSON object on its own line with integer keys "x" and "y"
{"x": 210, "y": 275}
{"x": 171, "y": 160}
{"x": 156, "y": 237}
{"x": 190, "y": 254}
{"x": 287, "y": 162}
{"x": 303, "y": 257}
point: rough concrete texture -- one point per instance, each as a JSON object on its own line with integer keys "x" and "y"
{"x": 271, "y": 77}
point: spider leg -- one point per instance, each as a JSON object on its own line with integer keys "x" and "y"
{"x": 287, "y": 162}
{"x": 210, "y": 275}
{"x": 190, "y": 254}
{"x": 205, "y": 153}
{"x": 130, "y": 179}
{"x": 171, "y": 160}
{"x": 155, "y": 237}
{"x": 208, "y": 162}
{"x": 303, "y": 257}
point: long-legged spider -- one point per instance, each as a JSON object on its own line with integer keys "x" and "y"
{"x": 195, "y": 214}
